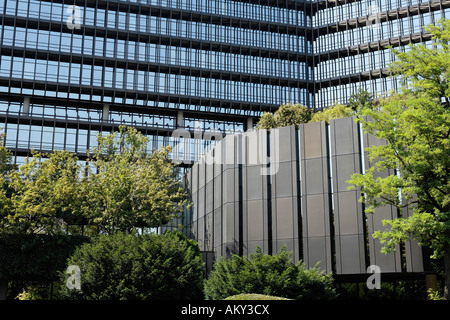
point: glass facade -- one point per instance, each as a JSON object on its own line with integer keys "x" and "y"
{"x": 71, "y": 69}
{"x": 351, "y": 39}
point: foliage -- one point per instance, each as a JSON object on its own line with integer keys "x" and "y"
{"x": 286, "y": 115}
{"x": 433, "y": 295}
{"x": 122, "y": 187}
{"x": 295, "y": 114}
{"x": 128, "y": 187}
{"x": 334, "y": 112}
{"x": 389, "y": 290}
{"x": 415, "y": 123}
{"x": 42, "y": 194}
{"x": 33, "y": 293}
{"x": 360, "y": 100}
{"x": 5, "y": 159}
{"x": 266, "y": 121}
{"x": 274, "y": 275}
{"x": 127, "y": 266}
{"x": 254, "y": 296}
{"x": 35, "y": 256}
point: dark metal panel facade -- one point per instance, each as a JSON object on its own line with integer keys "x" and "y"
{"x": 316, "y": 206}
{"x": 349, "y": 218}
{"x": 254, "y": 195}
{"x": 391, "y": 262}
{"x": 283, "y": 160}
{"x": 289, "y": 187}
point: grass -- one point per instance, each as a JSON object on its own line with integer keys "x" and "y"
{"x": 254, "y": 296}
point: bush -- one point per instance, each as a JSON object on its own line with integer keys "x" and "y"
{"x": 36, "y": 256}
{"x": 128, "y": 267}
{"x": 286, "y": 115}
{"x": 269, "y": 275}
{"x": 334, "y": 112}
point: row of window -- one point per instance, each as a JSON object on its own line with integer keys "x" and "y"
{"x": 360, "y": 8}
{"x": 130, "y": 118}
{"x": 88, "y": 75}
{"x": 362, "y": 62}
{"x": 349, "y": 65}
{"x": 236, "y": 9}
{"x": 25, "y": 136}
{"x": 149, "y": 52}
{"x": 46, "y": 138}
{"x": 341, "y": 93}
{"x": 375, "y": 32}
{"x": 222, "y": 108}
{"x": 165, "y": 26}
{"x": 239, "y": 9}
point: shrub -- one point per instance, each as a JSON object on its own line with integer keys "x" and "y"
{"x": 129, "y": 266}
{"x": 286, "y": 115}
{"x": 334, "y": 112}
{"x": 254, "y": 296}
{"x": 292, "y": 114}
{"x": 274, "y": 275}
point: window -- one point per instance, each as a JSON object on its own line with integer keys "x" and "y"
{"x": 99, "y": 42}
{"x": 111, "y": 19}
{"x": 87, "y": 45}
{"x": 19, "y": 37}
{"x": 86, "y": 74}
{"x": 29, "y": 66}
{"x": 97, "y": 78}
{"x": 119, "y": 78}
{"x": 77, "y": 43}
{"x": 109, "y": 72}
{"x": 100, "y": 21}
{"x": 11, "y": 6}
{"x": 31, "y": 39}
{"x": 89, "y": 17}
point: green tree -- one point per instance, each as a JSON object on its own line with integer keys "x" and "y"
{"x": 6, "y": 166}
{"x": 266, "y": 122}
{"x": 274, "y": 275}
{"x": 41, "y": 194}
{"x": 286, "y": 115}
{"x": 129, "y": 188}
{"x": 416, "y": 125}
{"x": 122, "y": 187}
{"x": 334, "y": 112}
{"x": 361, "y": 99}
{"x": 128, "y": 266}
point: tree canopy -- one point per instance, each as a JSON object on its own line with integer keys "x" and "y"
{"x": 121, "y": 186}
{"x": 286, "y": 115}
{"x": 415, "y": 123}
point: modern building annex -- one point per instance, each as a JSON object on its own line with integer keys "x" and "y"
{"x": 287, "y": 187}
{"x": 72, "y": 69}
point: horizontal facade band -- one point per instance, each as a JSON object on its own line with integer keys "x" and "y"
{"x": 381, "y": 17}
{"x": 104, "y": 61}
{"x": 151, "y": 110}
{"x": 190, "y": 15}
{"x": 352, "y": 78}
{"x": 42, "y": 24}
{"x": 372, "y": 46}
{"x": 299, "y": 29}
{"x": 25, "y": 152}
{"x": 74, "y": 123}
{"x": 93, "y": 124}
{"x": 205, "y": 103}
